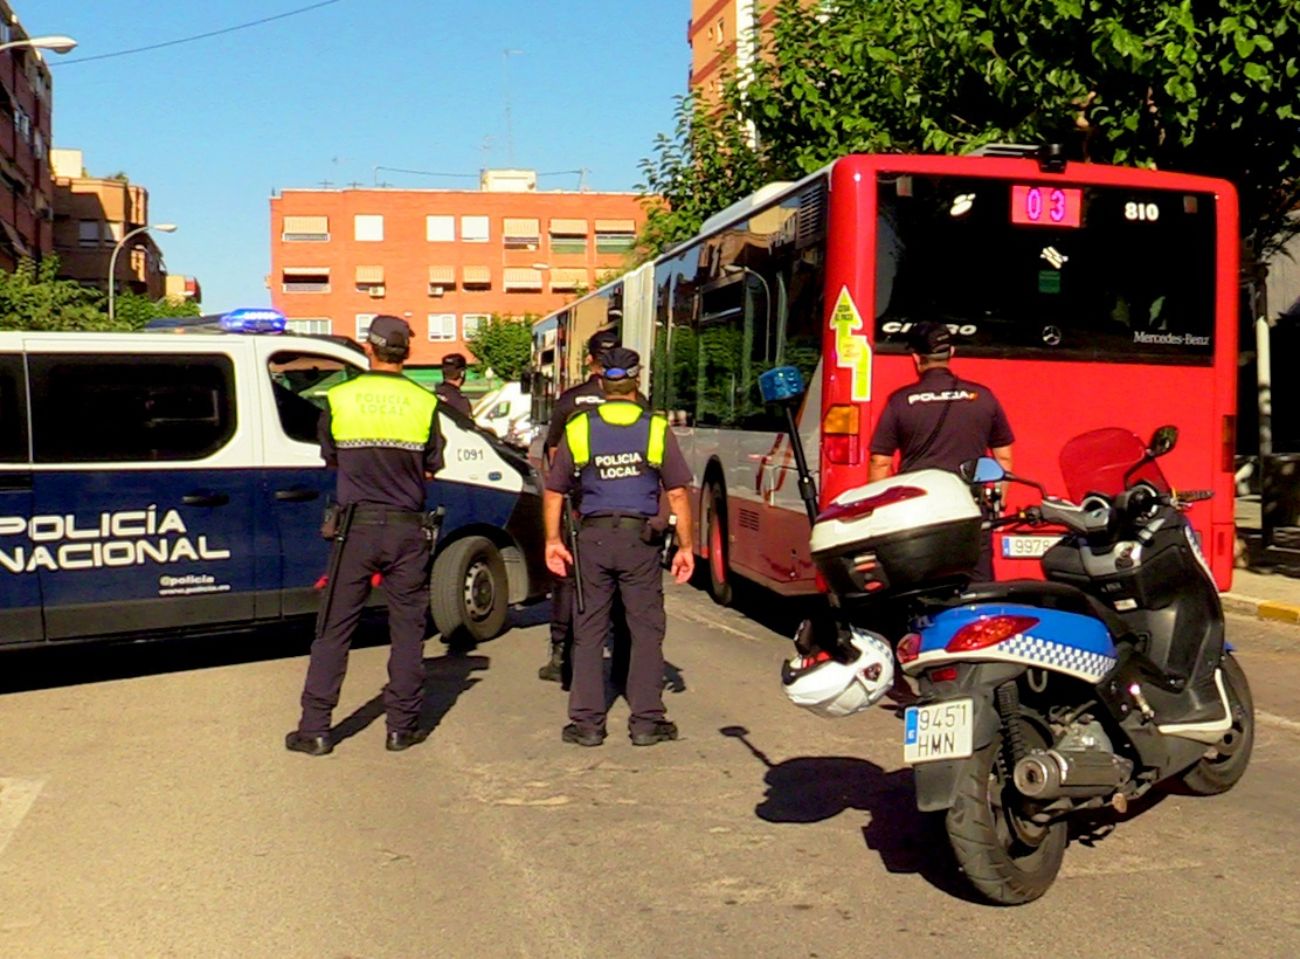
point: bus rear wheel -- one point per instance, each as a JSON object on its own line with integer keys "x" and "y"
{"x": 715, "y": 532}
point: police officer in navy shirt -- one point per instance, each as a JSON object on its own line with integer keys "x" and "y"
{"x": 620, "y": 457}
{"x": 380, "y": 431}
{"x": 453, "y": 378}
{"x": 573, "y": 400}
{"x": 940, "y": 421}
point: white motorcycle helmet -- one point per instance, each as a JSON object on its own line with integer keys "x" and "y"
{"x": 832, "y": 689}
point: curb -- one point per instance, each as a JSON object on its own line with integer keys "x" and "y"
{"x": 1265, "y": 609}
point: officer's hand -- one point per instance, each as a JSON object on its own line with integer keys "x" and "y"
{"x": 683, "y": 567}
{"x": 558, "y": 557}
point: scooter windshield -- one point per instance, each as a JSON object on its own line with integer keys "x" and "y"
{"x": 1097, "y": 462}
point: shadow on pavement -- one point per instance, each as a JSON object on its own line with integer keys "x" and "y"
{"x": 71, "y": 664}
{"x": 446, "y": 677}
{"x": 810, "y": 789}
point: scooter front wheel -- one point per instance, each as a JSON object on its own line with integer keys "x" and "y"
{"x": 1226, "y": 761}
{"x": 1009, "y": 859}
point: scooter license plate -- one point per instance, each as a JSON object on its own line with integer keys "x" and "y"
{"x": 938, "y": 731}
{"x": 1027, "y": 547}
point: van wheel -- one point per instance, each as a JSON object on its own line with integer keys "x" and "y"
{"x": 469, "y": 591}
{"x": 715, "y": 531}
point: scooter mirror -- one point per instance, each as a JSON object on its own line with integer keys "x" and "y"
{"x": 1162, "y": 441}
{"x": 983, "y": 470}
{"x": 780, "y": 384}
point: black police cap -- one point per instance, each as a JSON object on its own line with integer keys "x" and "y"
{"x": 930, "y": 339}
{"x": 620, "y": 363}
{"x": 600, "y": 342}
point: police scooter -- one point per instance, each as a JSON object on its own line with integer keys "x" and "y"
{"x": 1040, "y": 701}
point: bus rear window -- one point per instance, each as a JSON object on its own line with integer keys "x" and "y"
{"x": 1133, "y": 281}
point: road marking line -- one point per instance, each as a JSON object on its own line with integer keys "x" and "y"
{"x": 1279, "y": 722}
{"x": 16, "y": 798}
{"x": 706, "y": 621}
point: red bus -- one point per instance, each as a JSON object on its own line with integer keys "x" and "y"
{"x": 1083, "y": 295}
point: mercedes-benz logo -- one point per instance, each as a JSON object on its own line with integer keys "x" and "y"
{"x": 1052, "y": 335}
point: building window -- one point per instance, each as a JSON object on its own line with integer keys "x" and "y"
{"x": 521, "y": 279}
{"x": 441, "y": 279}
{"x": 474, "y": 229}
{"x": 568, "y": 236}
{"x": 615, "y": 236}
{"x": 519, "y": 233}
{"x": 363, "y": 325}
{"x": 440, "y": 229}
{"x": 470, "y": 322}
{"x": 568, "y": 281}
{"x": 721, "y": 37}
{"x": 305, "y": 279}
{"x": 311, "y": 325}
{"x": 370, "y": 280}
{"x": 163, "y": 408}
{"x": 476, "y": 278}
{"x": 442, "y": 327}
{"x": 369, "y": 227}
{"x": 306, "y": 229}
{"x": 88, "y": 233}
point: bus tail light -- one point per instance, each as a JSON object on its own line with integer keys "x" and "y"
{"x": 840, "y": 428}
{"x": 1229, "y": 438}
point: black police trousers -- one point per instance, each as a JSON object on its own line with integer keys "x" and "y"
{"x": 617, "y": 563}
{"x": 564, "y": 607}
{"x": 399, "y": 551}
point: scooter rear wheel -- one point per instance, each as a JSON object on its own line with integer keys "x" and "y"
{"x": 1226, "y": 761}
{"x": 1007, "y": 858}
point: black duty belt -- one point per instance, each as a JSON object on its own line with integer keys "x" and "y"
{"x": 386, "y": 516}
{"x": 615, "y": 522}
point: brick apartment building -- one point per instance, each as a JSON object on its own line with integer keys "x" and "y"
{"x": 91, "y": 214}
{"x": 442, "y": 259}
{"x": 26, "y": 202}
{"x": 723, "y": 34}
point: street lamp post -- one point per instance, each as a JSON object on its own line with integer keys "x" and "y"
{"x": 112, "y": 260}
{"x": 56, "y": 44}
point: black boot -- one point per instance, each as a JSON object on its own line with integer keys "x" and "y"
{"x": 553, "y": 671}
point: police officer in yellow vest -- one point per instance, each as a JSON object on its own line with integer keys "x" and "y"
{"x": 618, "y": 456}
{"x": 380, "y": 430}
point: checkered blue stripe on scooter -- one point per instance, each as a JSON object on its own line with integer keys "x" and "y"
{"x": 1059, "y": 656}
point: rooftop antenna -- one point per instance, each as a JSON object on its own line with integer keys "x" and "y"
{"x": 506, "y": 54}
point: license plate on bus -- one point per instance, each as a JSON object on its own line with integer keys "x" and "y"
{"x": 938, "y": 731}
{"x": 1027, "y": 547}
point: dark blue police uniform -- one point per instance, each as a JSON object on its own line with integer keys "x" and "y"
{"x": 619, "y": 457}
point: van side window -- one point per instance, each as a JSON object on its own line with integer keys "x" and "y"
{"x": 106, "y": 408}
{"x": 300, "y": 382}
{"x": 13, "y": 410}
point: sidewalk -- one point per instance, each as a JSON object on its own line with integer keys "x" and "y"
{"x": 1269, "y": 591}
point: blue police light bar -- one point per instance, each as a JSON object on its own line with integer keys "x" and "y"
{"x": 253, "y": 319}
{"x": 780, "y": 384}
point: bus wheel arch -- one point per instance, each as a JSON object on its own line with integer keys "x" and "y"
{"x": 713, "y": 534}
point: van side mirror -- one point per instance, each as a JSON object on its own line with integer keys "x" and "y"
{"x": 983, "y": 470}
{"x": 1162, "y": 441}
{"x": 781, "y": 384}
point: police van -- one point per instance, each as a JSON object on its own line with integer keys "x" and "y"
{"x": 154, "y": 482}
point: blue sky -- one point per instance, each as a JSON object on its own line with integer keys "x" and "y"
{"x": 211, "y": 128}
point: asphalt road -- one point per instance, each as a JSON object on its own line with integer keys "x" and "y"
{"x": 148, "y": 808}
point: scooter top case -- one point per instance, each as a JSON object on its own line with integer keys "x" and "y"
{"x": 899, "y": 533}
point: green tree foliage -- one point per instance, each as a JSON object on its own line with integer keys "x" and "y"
{"x": 135, "y": 310}
{"x": 34, "y": 298}
{"x": 1201, "y": 86}
{"x": 705, "y": 164}
{"x": 504, "y": 345}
